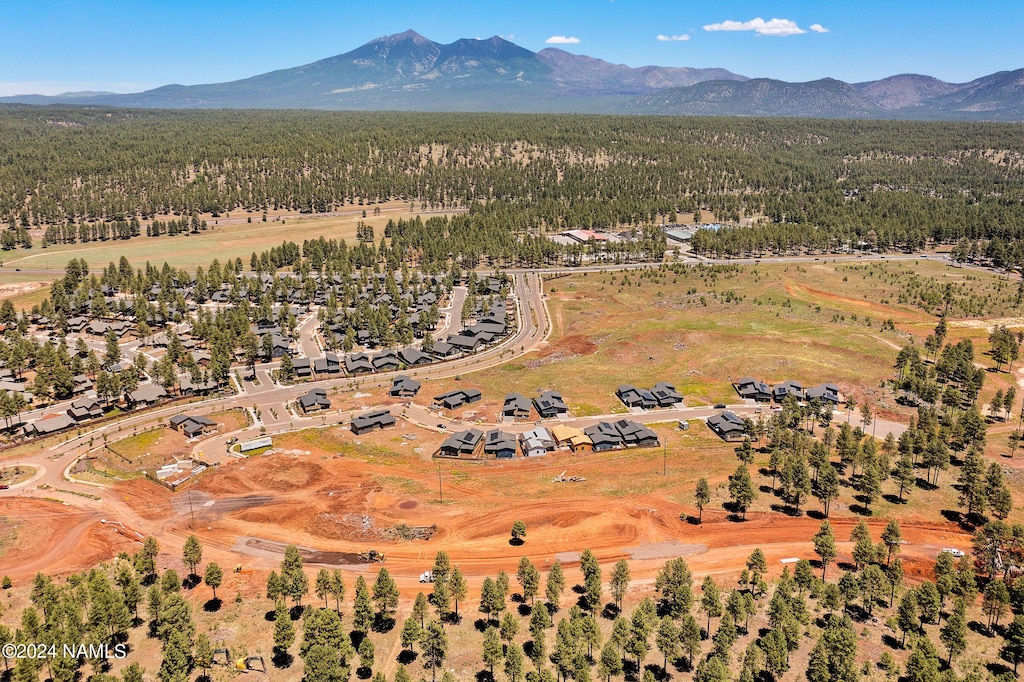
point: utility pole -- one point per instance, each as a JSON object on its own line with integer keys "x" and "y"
{"x": 191, "y": 510}
{"x": 664, "y": 460}
{"x": 440, "y": 495}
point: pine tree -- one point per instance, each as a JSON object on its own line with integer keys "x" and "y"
{"x": 175, "y": 666}
{"x": 435, "y": 647}
{"x": 618, "y": 582}
{"x": 904, "y": 475}
{"x": 702, "y": 495}
{"x": 366, "y": 653}
{"x": 906, "y": 615}
{"x": 674, "y": 585}
{"x": 834, "y": 656}
{"x": 892, "y": 538}
{"x": 825, "y": 546}
{"x": 508, "y": 627}
{"x": 710, "y": 600}
{"x": 213, "y": 577}
{"x": 419, "y": 609}
{"x": 492, "y": 649}
{"x": 412, "y": 632}
{"x": 284, "y": 630}
{"x": 554, "y": 586}
{"x": 923, "y": 662}
{"x": 529, "y": 579}
{"x": 192, "y": 553}
{"x": 322, "y": 585}
{"x": 514, "y": 662}
{"x": 385, "y": 594}
{"x": 1014, "y": 646}
{"x": 954, "y": 633}
{"x": 741, "y": 489}
{"x": 362, "y": 610}
{"x": 666, "y": 638}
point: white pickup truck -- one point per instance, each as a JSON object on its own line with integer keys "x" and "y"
{"x": 427, "y": 577}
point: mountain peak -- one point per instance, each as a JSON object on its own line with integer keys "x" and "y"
{"x": 395, "y": 38}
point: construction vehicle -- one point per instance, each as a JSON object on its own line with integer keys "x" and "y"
{"x": 372, "y": 555}
{"x": 248, "y": 664}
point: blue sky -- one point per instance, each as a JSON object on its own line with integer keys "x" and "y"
{"x": 52, "y": 46}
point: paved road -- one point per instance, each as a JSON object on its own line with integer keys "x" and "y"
{"x": 269, "y": 401}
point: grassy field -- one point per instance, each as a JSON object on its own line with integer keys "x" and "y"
{"x": 703, "y": 328}
{"x": 232, "y": 238}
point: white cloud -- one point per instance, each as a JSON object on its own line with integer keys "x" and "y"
{"x": 772, "y": 27}
{"x": 562, "y": 40}
{"x": 818, "y": 28}
{"x": 665, "y": 39}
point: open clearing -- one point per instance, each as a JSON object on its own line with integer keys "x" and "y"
{"x": 327, "y": 490}
{"x": 226, "y": 238}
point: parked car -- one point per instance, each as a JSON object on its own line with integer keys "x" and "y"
{"x": 4, "y": 486}
{"x": 232, "y": 440}
{"x": 719, "y": 406}
{"x": 441, "y": 426}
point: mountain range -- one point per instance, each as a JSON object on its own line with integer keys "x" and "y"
{"x": 406, "y": 71}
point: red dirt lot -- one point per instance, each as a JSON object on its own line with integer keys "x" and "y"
{"x": 247, "y": 511}
{"x": 44, "y": 536}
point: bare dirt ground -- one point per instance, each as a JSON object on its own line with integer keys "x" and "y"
{"x": 44, "y": 536}
{"x": 335, "y": 506}
{"x": 13, "y": 289}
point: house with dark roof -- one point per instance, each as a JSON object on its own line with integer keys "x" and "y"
{"x": 636, "y": 435}
{"x": 826, "y": 393}
{"x": 147, "y": 394}
{"x": 728, "y": 426}
{"x": 82, "y": 384}
{"x": 467, "y": 443}
{"x": 455, "y": 399}
{"x": 51, "y": 423}
{"x": 303, "y": 367}
{"x": 404, "y": 387}
{"x": 788, "y": 387}
{"x": 377, "y": 419}
{"x": 604, "y": 436}
{"x": 500, "y": 444}
{"x": 466, "y": 344}
{"x": 328, "y": 364}
{"x": 191, "y": 425}
{"x": 516, "y": 406}
{"x": 666, "y": 394}
{"x": 280, "y": 345}
{"x": 752, "y": 389}
{"x": 550, "y": 404}
{"x": 631, "y": 396}
{"x": 443, "y": 349}
{"x": 411, "y": 357}
{"x": 314, "y": 401}
{"x": 358, "y": 363}
{"x": 85, "y": 408}
{"x": 386, "y": 361}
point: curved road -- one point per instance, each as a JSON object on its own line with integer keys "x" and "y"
{"x": 54, "y": 462}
